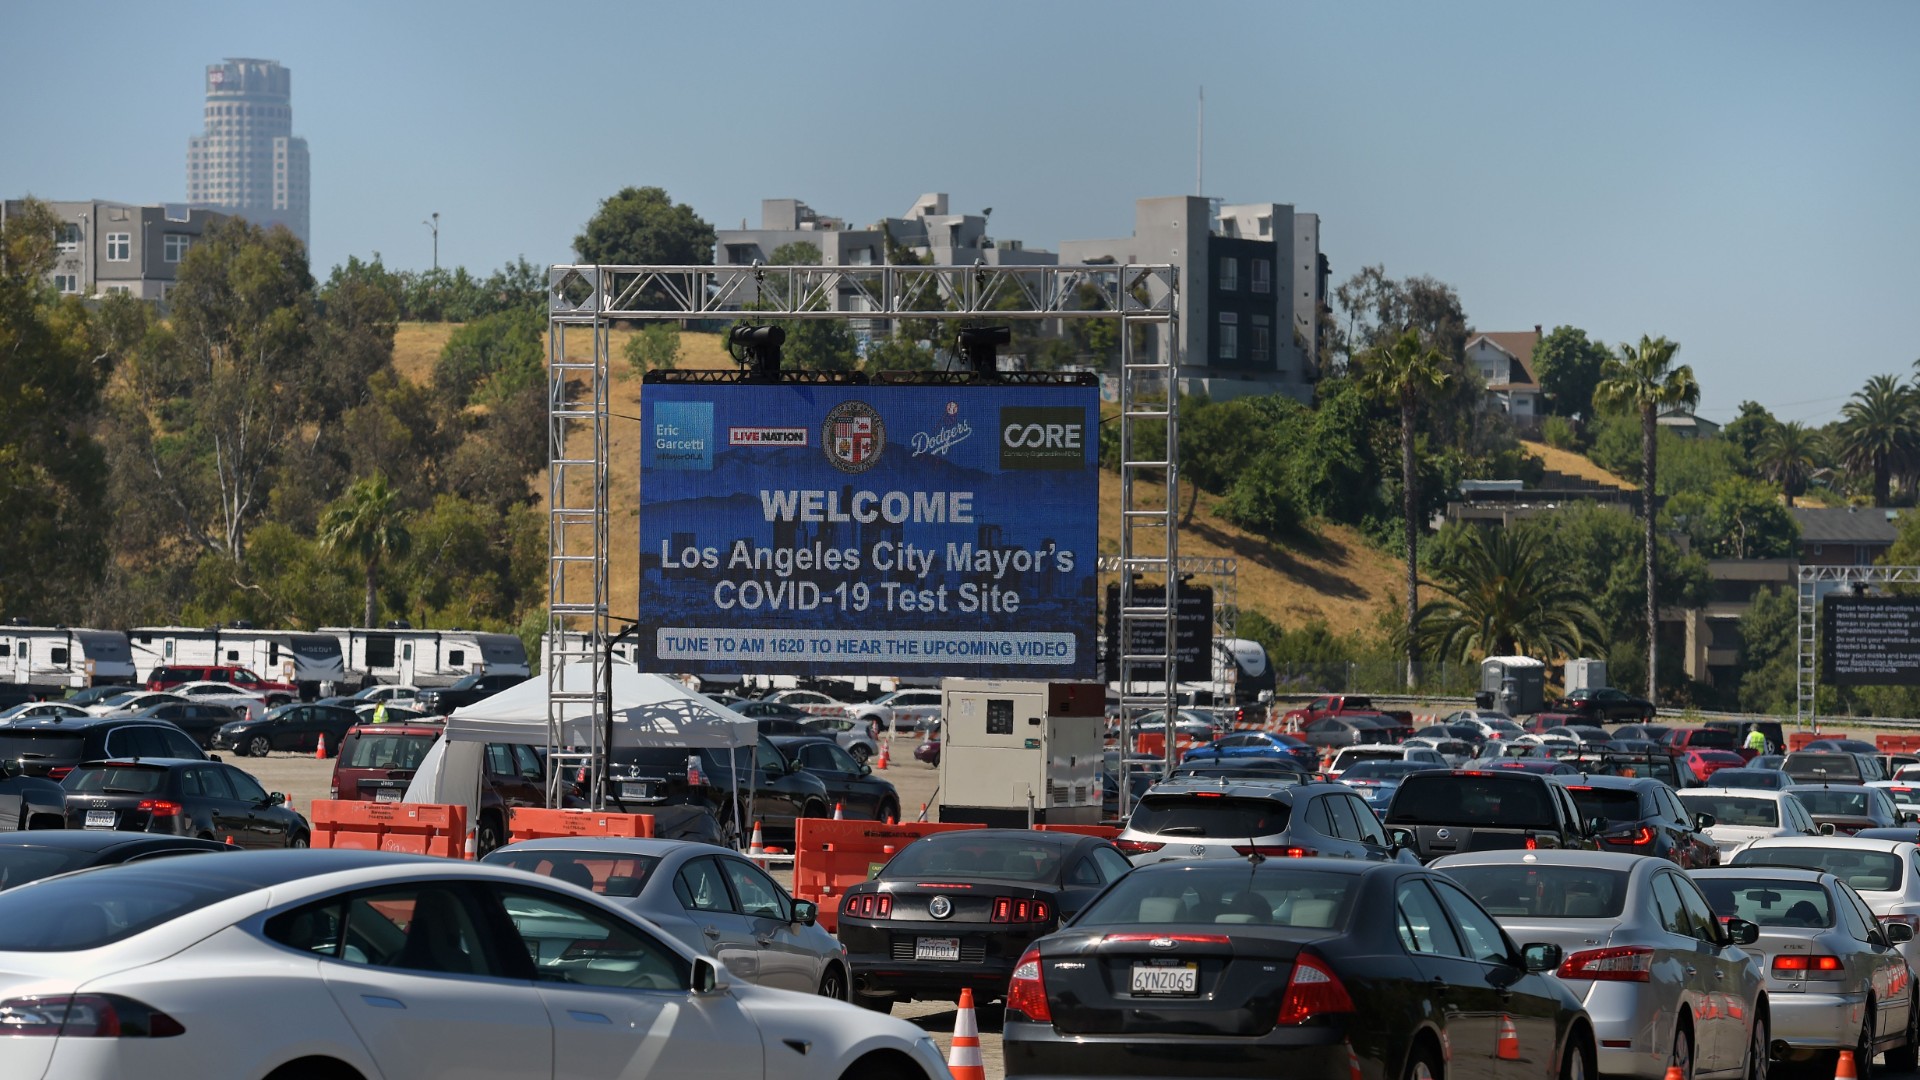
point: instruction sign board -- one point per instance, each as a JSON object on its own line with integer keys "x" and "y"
{"x": 1192, "y": 634}
{"x": 917, "y": 531}
{"x": 1870, "y": 641}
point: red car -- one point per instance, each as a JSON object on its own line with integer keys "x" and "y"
{"x": 1704, "y": 763}
{"x": 168, "y": 676}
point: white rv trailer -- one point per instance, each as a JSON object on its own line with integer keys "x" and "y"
{"x": 52, "y": 658}
{"x": 400, "y": 654}
{"x": 305, "y": 658}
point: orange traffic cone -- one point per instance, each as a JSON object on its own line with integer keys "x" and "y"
{"x": 963, "y": 1061}
{"x": 1507, "y": 1048}
{"x": 882, "y": 763}
{"x": 320, "y": 748}
{"x": 757, "y": 846}
{"x": 839, "y": 812}
{"x": 1674, "y": 1073}
{"x": 1845, "y": 1070}
{"x": 472, "y": 850}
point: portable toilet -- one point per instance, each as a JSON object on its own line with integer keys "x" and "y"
{"x": 1585, "y": 673}
{"x": 1517, "y": 683}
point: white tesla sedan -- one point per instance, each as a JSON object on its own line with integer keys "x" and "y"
{"x": 358, "y": 964}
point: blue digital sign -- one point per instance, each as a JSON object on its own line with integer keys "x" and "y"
{"x": 916, "y": 531}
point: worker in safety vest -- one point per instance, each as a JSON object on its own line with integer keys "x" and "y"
{"x": 380, "y": 712}
{"x": 1756, "y": 739}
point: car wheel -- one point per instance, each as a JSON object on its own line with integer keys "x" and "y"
{"x": 1863, "y": 1046}
{"x": 888, "y": 810}
{"x": 1681, "y": 1056}
{"x": 1424, "y": 1064}
{"x": 833, "y": 984}
{"x": 1906, "y": 1057}
{"x": 298, "y": 840}
{"x": 258, "y": 746}
{"x": 1758, "y": 1049}
{"x": 1579, "y": 1061}
{"x": 860, "y": 752}
{"x": 487, "y": 836}
{"x": 815, "y": 810}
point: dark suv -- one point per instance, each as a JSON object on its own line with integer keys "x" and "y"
{"x": 1442, "y": 813}
{"x": 51, "y": 746}
{"x": 377, "y": 762}
{"x": 1644, "y": 817}
{"x": 1206, "y": 818}
{"x": 777, "y": 792}
{"x": 442, "y": 700}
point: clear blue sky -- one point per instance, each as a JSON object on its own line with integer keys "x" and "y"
{"x": 1739, "y": 177}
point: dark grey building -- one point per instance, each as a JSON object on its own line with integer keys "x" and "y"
{"x": 108, "y": 247}
{"x": 248, "y": 163}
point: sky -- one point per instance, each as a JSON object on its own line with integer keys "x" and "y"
{"x": 1739, "y": 177}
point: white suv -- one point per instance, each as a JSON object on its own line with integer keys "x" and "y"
{"x": 901, "y": 710}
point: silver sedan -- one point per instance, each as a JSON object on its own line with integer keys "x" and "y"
{"x": 1836, "y": 979}
{"x": 710, "y": 898}
{"x": 1663, "y": 981}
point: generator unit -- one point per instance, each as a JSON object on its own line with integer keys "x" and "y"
{"x": 1011, "y": 747}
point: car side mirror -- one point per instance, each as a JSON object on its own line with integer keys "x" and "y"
{"x": 1909, "y": 816}
{"x": 1541, "y": 956}
{"x": 1704, "y": 822}
{"x": 1401, "y": 838}
{"x": 707, "y": 978}
{"x": 866, "y": 769}
{"x": 215, "y": 757}
{"x": 1827, "y": 829}
{"x": 1897, "y": 933}
{"x": 806, "y": 912}
{"x": 276, "y": 798}
{"x": 1596, "y": 825}
{"x": 1742, "y": 932}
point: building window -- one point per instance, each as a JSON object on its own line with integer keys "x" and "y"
{"x": 1229, "y": 273}
{"x": 119, "y": 247}
{"x": 1262, "y": 276}
{"x": 173, "y": 246}
{"x": 1262, "y": 340}
{"x": 69, "y": 236}
{"x": 1229, "y": 336}
{"x": 68, "y": 284}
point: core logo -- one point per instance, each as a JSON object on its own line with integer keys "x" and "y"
{"x": 853, "y": 436}
{"x": 1034, "y": 437}
{"x": 766, "y": 436}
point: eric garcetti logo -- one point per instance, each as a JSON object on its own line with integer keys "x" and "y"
{"x": 1038, "y": 437}
{"x": 682, "y": 435}
{"x": 853, "y": 436}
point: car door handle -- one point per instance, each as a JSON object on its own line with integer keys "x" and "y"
{"x": 379, "y": 1001}
{"x": 1692, "y": 971}
{"x": 711, "y": 931}
{"x": 764, "y": 941}
{"x": 1439, "y": 985}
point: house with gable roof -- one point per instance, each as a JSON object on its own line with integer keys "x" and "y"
{"x": 1504, "y": 361}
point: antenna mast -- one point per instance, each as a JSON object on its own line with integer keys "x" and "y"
{"x": 1200, "y": 151}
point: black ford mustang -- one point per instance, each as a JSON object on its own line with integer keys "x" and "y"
{"x": 1291, "y": 967}
{"x": 955, "y": 910}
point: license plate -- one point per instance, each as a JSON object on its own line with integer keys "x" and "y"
{"x": 101, "y": 819}
{"x": 636, "y": 791}
{"x": 1166, "y": 979}
{"x": 388, "y": 794}
{"x": 936, "y": 948}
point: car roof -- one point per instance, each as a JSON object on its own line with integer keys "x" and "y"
{"x": 97, "y": 840}
{"x": 1767, "y": 873}
{"x": 799, "y": 740}
{"x": 1372, "y": 746}
{"x": 1616, "y": 783}
{"x": 1828, "y": 787}
{"x": 71, "y": 723}
{"x": 1239, "y": 787}
{"x": 1057, "y": 839}
{"x": 1770, "y": 794}
{"x": 1850, "y": 843}
{"x": 1604, "y": 860}
{"x": 1243, "y": 867}
{"x": 142, "y": 762}
{"x": 409, "y": 726}
{"x": 615, "y": 845}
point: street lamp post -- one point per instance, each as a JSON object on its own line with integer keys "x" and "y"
{"x": 435, "y": 226}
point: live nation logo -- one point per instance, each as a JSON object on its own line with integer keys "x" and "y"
{"x": 766, "y": 436}
{"x": 951, "y": 434}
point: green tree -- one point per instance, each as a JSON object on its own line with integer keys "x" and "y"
{"x": 1788, "y": 454}
{"x": 1744, "y": 520}
{"x": 1568, "y": 366}
{"x": 644, "y": 227}
{"x": 1402, "y": 373}
{"x": 656, "y": 346}
{"x": 1644, "y": 378}
{"x": 1746, "y": 432}
{"x": 1504, "y": 594}
{"x": 492, "y": 358}
{"x": 1879, "y": 434}
{"x": 1769, "y": 681}
{"x": 369, "y": 524}
{"x": 814, "y": 344}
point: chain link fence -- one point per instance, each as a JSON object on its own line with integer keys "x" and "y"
{"x": 1376, "y": 677}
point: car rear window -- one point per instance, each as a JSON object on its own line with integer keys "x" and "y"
{"x": 1829, "y": 801}
{"x": 1612, "y": 804}
{"x": 1768, "y": 779}
{"x": 1500, "y": 802}
{"x": 1352, "y": 757}
{"x": 115, "y": 780}
{"x": 1734, "y": 810}
{"x": 20, "y": 864}
{"x": 1768, "y": 903}
{"x": 1001, "y": 857}
{"x": 1227, "y": 896}
{"x": 87, "y": 911}
{"x": 387, "y": 750}
{"x": 1214, "y": 817}
{"x": 1868, "y": 871}
{"x": 1828, "y": 766}
{"x": 1384, "y": 770}
{"x": 38, "y": 746}
{"x": 1545, "y": 892}
{"x": 601, "y": 872}
{"x": 1709, "y": 739}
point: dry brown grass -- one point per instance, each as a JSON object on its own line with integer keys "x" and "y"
{"x": 1566, "y": 461}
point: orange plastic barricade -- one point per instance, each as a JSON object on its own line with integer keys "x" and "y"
{"x": 829, "y": 856}
{"x": 537, "y": 823}
{"x": 1104, "y": 832}
{"x": 1798, "y": 740}
{"x": 420, "y": 828}
{"x": 1154, "y": 744}
{"x": 1897, "y": 744}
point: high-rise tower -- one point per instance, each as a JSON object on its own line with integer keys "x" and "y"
{"x": 248, "y": 162}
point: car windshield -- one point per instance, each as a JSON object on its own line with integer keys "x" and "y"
{"x": 601, "y": 872}
{"x": 387, "y": 750}
{"x": 37, "y": 746}
{"x": 996, "y": 857}
{"x": 120, "y": 699}
{"x": 1867, "y": 871}
{"x": 1734, "y": 810}
{"x": 1545, "y": 892}
{"x": 1768, "y": 903}
{"x": 115, "y": 780}
{"x": 1209, "y": 816}
{"x": 1612, "y": 804}
{"x": 1501, "y": 802}
{"x": 1768, "y": 779}
{"x": 1226, "y": 895}
{"x": 87, "y": 911}
{"x": 1348, "y": 757}
{"x": 1835, "y": 802}
{"x": 20, "y": 864}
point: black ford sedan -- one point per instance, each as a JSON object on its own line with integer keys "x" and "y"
{"x": 954, "y": 911}
{"x": 1291, "y": 967}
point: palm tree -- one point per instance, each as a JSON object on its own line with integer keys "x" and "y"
{"x": 1878, "y": 433}
{"x": 1505, "y": 596}
{"x": 1403, "y": 371}
{"x": 1787, "y": 455}
{"x": 369, "y": 522}
{"x": 1645, "y": 378}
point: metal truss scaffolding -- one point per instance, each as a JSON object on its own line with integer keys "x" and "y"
{"x": 584, "y": 302}
{"x": 1807, "y": 637}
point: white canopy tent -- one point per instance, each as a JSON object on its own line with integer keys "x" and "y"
{"x": 648, "y": 710}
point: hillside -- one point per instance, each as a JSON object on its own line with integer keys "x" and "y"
{"x": 1574, "y": 465}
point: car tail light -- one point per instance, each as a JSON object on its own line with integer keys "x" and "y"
{"x": 59, "y": 772}
{"x": 868, "y": 906}
{"x": 161, "y": 807}
{"x": 1007, "y": 909}
{"x": 1312, "y": 990}
{"x": 1533, "y": 844}
{"x": 1137, "y": 847}
{"x": 1624, "y": 963}
{"x": 1808, "y": 967}
{"x": 696, "y": 776}
{"x": 85, "y": 1016}
{"x": 1275, "y": 850}
{"x": 1185, "y": 939}
{"x": 1027, "y": 992}
{"x": 1641, "y": 837}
